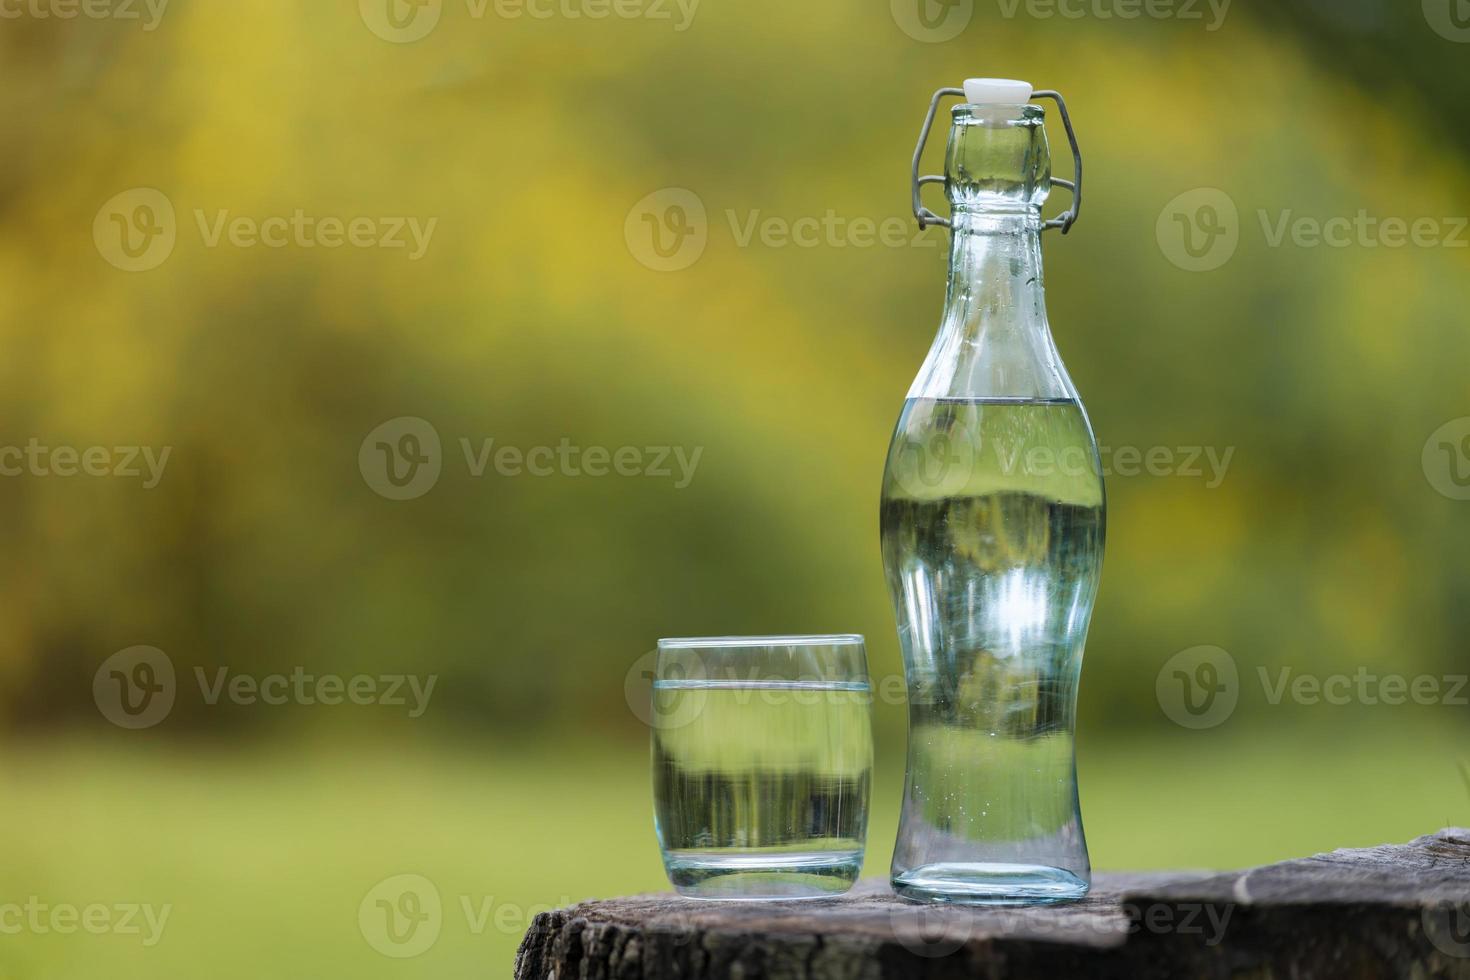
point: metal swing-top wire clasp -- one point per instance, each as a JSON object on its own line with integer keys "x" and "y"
{"x": 1004, "y": 92}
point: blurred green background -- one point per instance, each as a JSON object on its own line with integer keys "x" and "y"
{"x": 548, "y": 157}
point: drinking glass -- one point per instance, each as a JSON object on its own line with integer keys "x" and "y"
{"x": 762, "y": 760}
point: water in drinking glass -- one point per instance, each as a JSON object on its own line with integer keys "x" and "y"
{"x": 762, "y": 760}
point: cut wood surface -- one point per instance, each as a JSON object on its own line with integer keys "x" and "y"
{"x": 1395, "y": 911}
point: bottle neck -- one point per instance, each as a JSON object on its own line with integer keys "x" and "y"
{"x": 995, "y": 274}
{"x": 994, "y": 340}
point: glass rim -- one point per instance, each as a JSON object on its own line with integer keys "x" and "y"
{"x": 735, "y": 642}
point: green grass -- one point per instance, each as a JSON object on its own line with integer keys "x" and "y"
{"x": 265, "y": 856}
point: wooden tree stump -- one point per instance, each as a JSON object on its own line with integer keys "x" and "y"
{"x": 1400, "y": 911}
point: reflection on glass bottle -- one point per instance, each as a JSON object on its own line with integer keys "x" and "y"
{"x": 992, "y": 527}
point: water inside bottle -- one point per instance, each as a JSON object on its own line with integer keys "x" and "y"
{"x": 992, "y": 529}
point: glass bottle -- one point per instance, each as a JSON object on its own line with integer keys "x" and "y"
{"x": 992, "y": 529}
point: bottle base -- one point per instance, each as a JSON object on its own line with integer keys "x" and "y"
{"x": 989, "y": 884}
{"x": 755, "y": 876}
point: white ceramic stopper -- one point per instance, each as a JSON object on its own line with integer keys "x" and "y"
{"x": 997, "y": 91}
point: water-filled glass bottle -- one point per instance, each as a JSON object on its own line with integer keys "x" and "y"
{"x": 992, "y": 527}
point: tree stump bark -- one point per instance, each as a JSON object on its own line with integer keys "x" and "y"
{"x": 1395, "y": 911}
